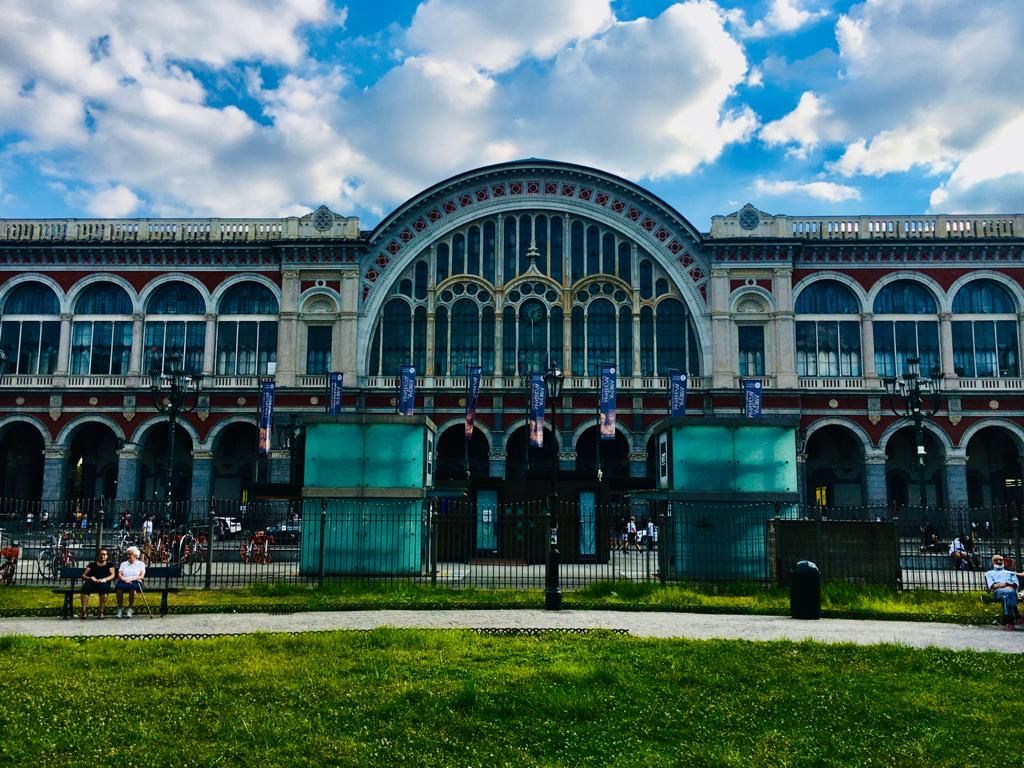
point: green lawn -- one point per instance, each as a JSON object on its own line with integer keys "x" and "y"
{"x": 434, "y": 698}
{"x": 838, "y": 600}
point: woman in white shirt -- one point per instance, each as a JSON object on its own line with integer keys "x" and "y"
{"x": 129, "y": 579}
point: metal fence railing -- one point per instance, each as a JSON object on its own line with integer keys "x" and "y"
{"x": 457, "y": 543}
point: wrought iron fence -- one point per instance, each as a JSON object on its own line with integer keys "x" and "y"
{"x": 458, "y": 543}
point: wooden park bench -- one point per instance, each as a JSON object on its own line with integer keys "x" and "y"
{"x": 73, "y": 579}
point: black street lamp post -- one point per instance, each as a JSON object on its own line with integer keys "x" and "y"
{"x": 175, "y": 392}
{"x": 553, "y": 380}
{"x": 919, "y": 399}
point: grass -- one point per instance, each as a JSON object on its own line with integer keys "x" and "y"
{"x": 434, "y": 698}
{"x": 839, "y": 600}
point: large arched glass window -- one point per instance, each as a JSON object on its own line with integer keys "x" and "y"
{"x": 247, "y": 343}
{"x": 668, "y": 341}
{"x": 30, "y": 329}
{"x": 175, "y": 326}
{"x": 827, "y": 345}
{"x": 532, "y": 288}
{"x": 463, "y": 330}
{"x": 602, "y": 329}
{"x": 985, "y": 331}
{"x": 901, "y": 331}
{"x": 101, "y": 335}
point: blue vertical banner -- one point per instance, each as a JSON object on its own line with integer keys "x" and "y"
{"x": 606, "y": 402}
{"x": 677, "y": 383}
{"x": 472, "y": 392}
{"x": 266, "y": 417}
{"x": 407, "y": 390}
{"x": 538, "y": 402}
{"x": 335, "y": 383}
{"x": 751, "y": 398}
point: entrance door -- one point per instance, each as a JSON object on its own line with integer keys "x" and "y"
{"x": 486, "y": 522}
{"x": 588, "y": 524}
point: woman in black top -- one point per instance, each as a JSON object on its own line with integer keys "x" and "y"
{"x": 97, "y": 578}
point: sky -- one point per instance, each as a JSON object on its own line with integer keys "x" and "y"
{"x": 269, "y": 108}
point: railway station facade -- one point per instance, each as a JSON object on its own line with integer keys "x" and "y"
{"x": 512, "y": 267}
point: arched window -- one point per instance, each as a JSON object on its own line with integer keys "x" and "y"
{"x": 825, "y": 344}
{"x": 901, "y": 333}
{"x": 247, "y": 344}
{"x": 602, "y": 329}
{"x": 30, "y": 329}
{"x": 985, "y": 331}
{"x": 182, "y": 339}
{"x": 395, "y": 333}
{"x": 101, "y": 334}
{"x": 668, "y": 340}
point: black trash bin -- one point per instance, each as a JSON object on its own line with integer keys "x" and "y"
{"x": 805, "y": 591}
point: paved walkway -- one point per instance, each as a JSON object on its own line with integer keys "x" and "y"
{"x": 689, "y": 625}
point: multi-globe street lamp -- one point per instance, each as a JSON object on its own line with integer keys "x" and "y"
{"x": 919, "y": 398}
{"x": 553, "y": 380}
{"x": 175, "y": 392}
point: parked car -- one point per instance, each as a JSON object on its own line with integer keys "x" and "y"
{"x": 285, "y": 532}
{"x": 226, "y": 527}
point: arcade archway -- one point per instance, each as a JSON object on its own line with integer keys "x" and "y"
{"x": 92, "y": 462}
{"x": 154, "y": 464}
{"x": 234, "y": 461}
{"x": 21, "y": 462}
{"x": 993, "y": 469}
{"x": 902, "y": 471}
{"x": 454, "y": 456}
{"x": 834, "y": 468}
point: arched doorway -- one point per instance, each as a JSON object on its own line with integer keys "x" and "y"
{"x": 92, "y": 462}
{"x": 611, "y": 456}
{"x": 993, "y": 469}
{"x": 834, "y": 468}
{"x": 453, "y": 454}
{"x": 154, "y": 464}
{"x": 21, "y": 462}
{"x": 902, "y": 471}
{"x": 235, "y": 461}
{"x": 524, "y": 462}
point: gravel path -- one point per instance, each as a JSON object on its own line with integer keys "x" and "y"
{"x": 689, "y": 625}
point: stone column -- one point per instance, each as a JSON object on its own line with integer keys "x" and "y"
{"x": 875, "y": 492}
{"x": 867, "y": 345}
{"x": 801, "y": 478}
{"x": 497, "y": 460}
{"x": 344, "y": 354}
{"x": 128, "y": 472}
{"x": 955, "y": 478}
{"x": 54, "y": 474}
{"x": 945, "y": 347}
{"x": 202, "y": 474}
{"x": 64, "y": 349}
{"x": 785, "y": 329}
{"x": 723, "y": 372}
{"x": 288, "y": 329}
{"x": 210, "y": 346}
{"x": 135, "y": 363}
{"x": 279, "y": 466}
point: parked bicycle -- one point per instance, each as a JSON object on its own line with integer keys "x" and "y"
{"x": 256, "y": 549}
{"x": 184, "y": 548}
{"x": 9, "y": 567}
{"x": 58, "y": 553}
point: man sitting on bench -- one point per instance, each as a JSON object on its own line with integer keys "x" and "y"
{"x": 129, "y": 579}
{"x": 1004, "y": 586}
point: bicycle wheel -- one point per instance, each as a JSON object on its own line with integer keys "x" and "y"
{"x": 243, "y": 552}
{"x": 190, "y": 554}
{"x": 45, "y": 563}
{"x": 7, "y": 573}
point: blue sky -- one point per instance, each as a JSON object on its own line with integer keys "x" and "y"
{"x": 132, "y": 108}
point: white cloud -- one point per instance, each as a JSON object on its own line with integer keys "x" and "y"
{"x": 922, "y": 82}
{"x": 810, "y": 123}
{"x": 113, "y": 202}
{"x": 497, "y": 34}
{"x": 783, "y": 17}
{"x": 819, "y": 190}
{"x": 896, "y": 151}
{"x": 988, "y": 179}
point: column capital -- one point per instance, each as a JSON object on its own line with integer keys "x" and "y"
{"x": 55, "y": 452}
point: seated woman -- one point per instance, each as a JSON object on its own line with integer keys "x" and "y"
{"x": 1004, "y": 585}
{"x": 96, "y": 580}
